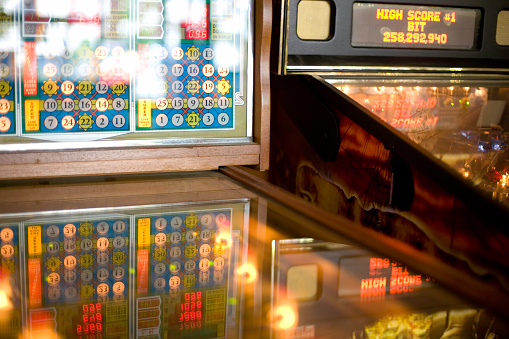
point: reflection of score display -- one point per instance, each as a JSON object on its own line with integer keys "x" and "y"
{"x": 401, "y": 26}
{"x": 196, "y": 26}
{"x": 191, "y": 310}
{"x": 90, "y": 321}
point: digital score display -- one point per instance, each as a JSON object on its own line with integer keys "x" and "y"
{"x": 421, "y": 27}
{"x": 196, "y": 26}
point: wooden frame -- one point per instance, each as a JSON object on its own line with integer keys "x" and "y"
{"x": 30, "y": 164}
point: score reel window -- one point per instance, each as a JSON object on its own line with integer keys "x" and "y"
{"x": 314, "y": 20}
{"x": 302, "y": 282}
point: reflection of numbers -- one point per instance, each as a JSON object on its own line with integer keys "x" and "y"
{"x": 69, "y": 245}
{"x": 53, "y": 247}
{"x": 118, "y": 287}
{"x": 102, "y": 243}
{"x": 190, "y": 236}
{"x": 7, "y": 251}
{"x": 159, "y": 283}
{"x": 159, "y": 268}
{"x": 189, "y": 265}
{"x": 176, "y": 222}
{"x": 119, "y": 272}
{"x": 86, "y": 275}
{"x": 102, "y": 227}
{"x": 175, "y": 252}
{"x": 205, "y": 235}
{"x": 205, "y": 250}
{"x": 86, "y": 260}
{"x": 119, "y": 226}
{"x": 103, "y": 274}
{"x": 175, "y": 267}
{"x": 103, "y": 289}
{"x": 86, "y": 244}
{"x": 174, "y": 282}
{"x": 189, "y": 280}
{"x": 54, "y": 293}
{"x": 70, "y": 292}
{"x": 175, "y": 237}
{"x": 204, "y": 264}
{"x": 204, "y": 277}
{"x": 160, "y": 239}
{"x": 52, "y": 231}
{"x": 118, "y": 257}
{"x": 221, "y": 219}
{"x": 118, "y": 242}
{"x": 218, "y": 263}
{"x": 70, "y": 276}
{"x": 102, "y": 258}
{"x": 69, "y": 230}
{"x": 160, "y": 223}
{"x": 206, "y": 219}
{"x": 70, "y": 261}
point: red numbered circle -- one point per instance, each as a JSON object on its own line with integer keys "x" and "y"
{"x": 68, "y": 122}
{"x": 177, "y": 53}
{"x": 101, "y": 104}
{"x": 101, "y": 52}
{"x": 5, "y": 106}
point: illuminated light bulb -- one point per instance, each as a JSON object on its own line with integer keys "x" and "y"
{"x": 417, "y": 88}
{"x": 434, "y": 88}
{"x": 466, "y": 174}
{"x": 399, "y": 89}
{"x": 284, "y": 317}
{"x": 224, "y": 238}
{"x": 380, "y": 88}
{"x": 451, "y": 88}
{"x": 247, "y": 273}
{"x": 346, "y": 89}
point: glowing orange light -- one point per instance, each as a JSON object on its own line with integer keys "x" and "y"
{"x": 247, "y": 273}
{"x": 284, "y": 317}
{"x": 224, "y": 238}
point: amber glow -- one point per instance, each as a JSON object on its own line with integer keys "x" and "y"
{"x": 284, "y": 317}
{"x": 247, "y": 273}
{"x": 5, "y": 295}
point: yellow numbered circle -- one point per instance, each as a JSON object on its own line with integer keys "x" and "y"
{"x": 208, "y": 70}
{"x": 160, "y": 253}
{"x": 174, "y": 282}
{"x": 86, "y": 291}
{"x": 84, "y": 52}
{"x": 118, "y": 288}
{"x": 101, "y": 104}
{"x": 70, "y": 261}
{"x": 69, "y": 230}
{"x": 7, "y": 251}
{"x": 118, "y": 87}
{"x": 190, "y": 251}
{"x": 208, "y": 86}
{"x": 223, "y": 71}
{"x": 49, "y": 87}
{"x": 53, "y": 279}
{"x": 103, "y": 290}
{"x": 177, "y": 53}
{"x": 189, "y": 280}
{"x": 6, "y": 234}
{"x": 101, "y": 52}
{"x": 49, "y": 70}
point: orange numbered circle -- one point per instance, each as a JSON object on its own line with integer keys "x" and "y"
{"x": 223, "y": 71}
{"x": 102, "y": 243}
{"x": 162, "y": 103}
{"x": 7, "y": 251}
{"x": 119, "y": 287}
{"x": 68, "y": 122}
{"x": 208, "y": 86}
{"x": 174, "y": 282}
{"x": 118, "y": 52}
{"x": 5, "y": 106}
{"x": 49, "y": 70}
{"x": 70, "y": 261}
{"x": 101, "y": 104}
{"x": 177, "y": 53}
{"x": 69, "y": 230}
{"x": 208, "y": 70}
{"x": 103, "y": 290}
{"x": 101, "y": 52}
{"x": 7, "y": 234}
{"x": 67, "y": 87}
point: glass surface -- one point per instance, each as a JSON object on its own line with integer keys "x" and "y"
{"x": 464, "y": 126}
{"x": 201, "y": 256}
{"x": 406, "y": 26}
{"x": 124, "y": 71}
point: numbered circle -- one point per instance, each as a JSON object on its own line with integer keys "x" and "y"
{"x": 70, "y": 261}
{"x": 50, "y": 105}
{"x": 69, "y": 245}
{"x": 175, "y": 237}
{"x": 7, "y": 251}
{"x": 101, "y": 52}
{"x": 118, "y": 288}
{"x": 52, "y": 231}
{"x": 204, "y": 277}
{"x": 204, "y": 264}
{"x": 118, "y": 104}
{"x": 205, "y": 235}
{"x": 69, "y": 230}
{"x": 102, "y": 227}
{"x": 176, "y": 222}
{"x": 53, "y": 279}
{"x": 190, "y": 265}
{"x": 119, "y": 272}
{"x": 160, "y": 223}
{"x": 208, "y": 86}
{"x": 208, "y": 119}
{"x": 86, "y": 244}
{"x": 208, "y": 54}
{"x": 101, "y": 87}
{"x": 6, "y": 234}
{"x": 177, "y": 86}
{"x": 177, "y": 53}
{"x": 102, "y": 70}
{"x": 162, "y": 120}
{"x": 118, "y": 121}
{"x": 223, "y": 102}
{"x": 174, "y": 267}
{"x": 5, "y": 106}
{"x": 193, "y": 103}
{"x": 68, "y": 121}
{"x": 208, "y": 102}
{"x": 102, "y": 121}
{"x": 118, "y": 71}
{"x": 67, "y": 53}
{"x": 103, "y": 243}
{"x": 67, "y": 70}
{"x": 103, "y": 258}
{"x": 54, "y": 293}
{"x": 49, "y": 70}
{"x": 103, "y": 274}
{"x": 193, "y": 70}
{"x": 118, "y": 52}
{"x": 159, "y": 268}
{"x": 68, "y": 105}
{"x": 190, "y": 236}
{"x": 3, "y": 54}
{"x": 161, "y": 103}
{"x": 223, "y": 118}
{"x": 70, "y": 292}
{"x": 118, "y": 242}
{"x": 206, "y": 220}
{"x": 175, "y": 252}
{"x": 119, "y": 226}
{"x": 84, "y": 70}
{"x": 70, "y": 276}
{"x": 177, "y": 103}
{"x": 221, "y": 219}
{"x": 101, "y": 104}
{"x": 218, "y": 263}
{"x": 67, "y": 87}
{"x": 177, "y": 119}
{"x": 218, "y": 276}
{"x": 208, "y": 70}
{"x": 159, "y": 283}
{"x": 161, "y": 70}
{"x": 4, "y": 70}
{"x": 223, "y": 70}
{"x": 85, "y": 104}
{"x": 5, "y": 124}
{"x": 160, "y": 239}
{"x": 53, "y": 247}
{"x": 174, "y": 282}
{"x": 86, "y": 275}
{"x": 205, "y": 250}
{"x": 103, "y": 290}
{"x": 177, "y": 70}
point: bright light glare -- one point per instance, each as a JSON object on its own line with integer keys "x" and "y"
{"x": 247, "y": 273}
{"x": 284, "y": 317}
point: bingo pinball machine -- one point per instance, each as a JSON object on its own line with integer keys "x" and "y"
{"x": 126, "y": 75}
